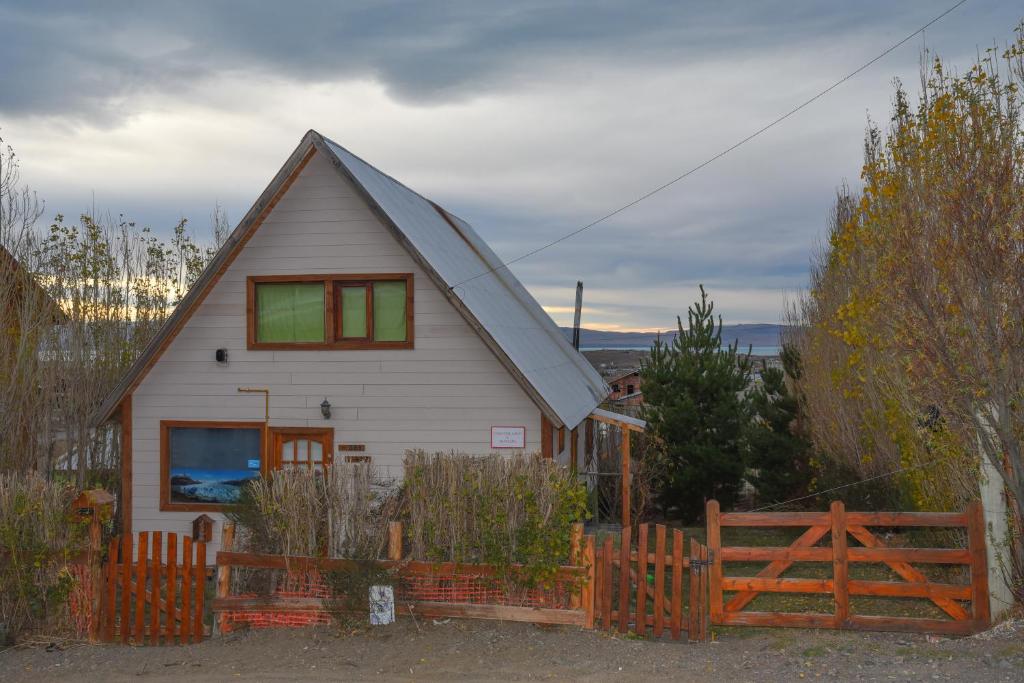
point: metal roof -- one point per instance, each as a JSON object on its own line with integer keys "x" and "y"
{"x": 507, "y": 317}
{"x": 497, "y": 301}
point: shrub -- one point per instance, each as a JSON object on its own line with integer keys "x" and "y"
{"x": 38, "y": 539}
{"x": 494, "y": 510}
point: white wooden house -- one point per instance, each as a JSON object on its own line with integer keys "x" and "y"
{"x": 364, "y": 320}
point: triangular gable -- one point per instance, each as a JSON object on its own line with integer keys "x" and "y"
{"x": 497, "y": 306}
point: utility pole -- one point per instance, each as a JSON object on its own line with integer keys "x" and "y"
{"x": 576, "y": 319}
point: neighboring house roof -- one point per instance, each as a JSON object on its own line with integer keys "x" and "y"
{"x": 628, "y": 396}
{"x": 11, "y": 269}
{"x": 497, "y": 306}
{"x": 624, "y": 375}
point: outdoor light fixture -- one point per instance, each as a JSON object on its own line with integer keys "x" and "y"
{"x": 221, "y": 355}
{"x": 325, "y": 409}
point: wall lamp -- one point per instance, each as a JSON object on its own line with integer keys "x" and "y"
{"x": 325, "y": 409}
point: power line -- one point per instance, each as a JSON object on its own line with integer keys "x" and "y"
{"x": 855, "y": 483}
{"x": 716, "y": 157}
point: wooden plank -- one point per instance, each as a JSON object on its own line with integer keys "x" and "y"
{"x": 606, "y": 591}
{"x": 676, "y": 618}
{"x": 197, "y": 604}
{"x": 659, "y": 580}
{"x": 980, "y": 609}
{"x": 640, "y": 620}
{"x": 911, "y": 625}
{"x": 127, "y": 555}
{"x": 934, "y": 519}
{"x": 767, "y": 585}
{"x": 701, "y": 604}
{"x": 155, "y": 576}
{"x": 714, "y": 537}
{"x": 546, "y": 437}
{"x": 186, "y": 590}
{"x": 693, "y": 628}
{"x": 782, "y": 619}
{"x": 753, "y": 554}
{"x": 172, "y": 580}
{"x": 140, "y": 587}
{"x": 227, "y": 543}
{"x": 907, "y": 572}
{"x": 533, "y": 615}
{"x": 575, "y": 548}
{"x": 626, "y": 484}
{"x": 624, "y": 565}
{"x": 910, "y": 590}
{"x": 589, "y": 591}
{"x": 769, "y": 519}
{"x": 840, "y": 564}
{"x": 919, "y": 555}
{"x": 110, "y": 611}
{"x": 738, "y": 602}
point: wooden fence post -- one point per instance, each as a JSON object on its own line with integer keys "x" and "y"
{"x": 395, "y": 541}
{"x": 980, "y": 609}
{"x": 714, "y": 536}
{"x": 575, "y": 548}
{"x": 589, "y": 591}
{"x": 626, "y": 495}
{"x": 95, "y": 559}
{"x": 677, "y": 583}
{"x": 625, "y": 548}
{"x": 840, "y": 563}
{"x": 640, "y": 621}
{"x": 227, "y": 542}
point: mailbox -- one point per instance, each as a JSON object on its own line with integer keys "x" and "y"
{"x": 202, "y": 528}
{"x": 93, "y": 505}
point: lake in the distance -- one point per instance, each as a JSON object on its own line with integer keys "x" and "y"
{"x": 756, "y": 351}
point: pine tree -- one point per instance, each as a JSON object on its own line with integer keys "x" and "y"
{"x": 779, "y": 455}
{"x": 695, "y": 407}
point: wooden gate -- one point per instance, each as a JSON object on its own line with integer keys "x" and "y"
{"x": 149, "y": 601}
{"x": 964, "y": 604}
{"x": 637, "y": 589}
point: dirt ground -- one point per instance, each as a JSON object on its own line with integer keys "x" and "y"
{"x": 476, "y": 650}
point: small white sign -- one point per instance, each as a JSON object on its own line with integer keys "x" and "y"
{"x": 254, "y": 464}
{"x": 508, "y": 437}
{"x": 382, "y": 605}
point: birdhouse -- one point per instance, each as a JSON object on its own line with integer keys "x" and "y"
{"x": 93, "y": 505}
{"x": 202, "y": 528}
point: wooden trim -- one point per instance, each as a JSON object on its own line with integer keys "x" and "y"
{"x": 165, "y": 457}
{"x": 574, "y": 449}
{"x": 776, "y": 519}
{"x": 126, "y": 465}
{"x": 546, "y": 437}
{"x": 561, "y": 440}
{"x": 332, "y": 321}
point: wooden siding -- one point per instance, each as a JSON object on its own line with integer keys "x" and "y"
{"x": 444, "y": 394}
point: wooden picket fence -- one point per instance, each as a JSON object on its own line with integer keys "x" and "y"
{"x": 149, "y": 598}
{"x": 836, "y": 526}
{"x": 628, "y": 598}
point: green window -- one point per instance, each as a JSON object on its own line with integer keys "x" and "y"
{"x": 353, "y": 312}
{"x": 389, "y": 311}
{"x": 289, "y": 312}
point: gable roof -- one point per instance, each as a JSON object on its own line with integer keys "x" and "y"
{"x": 507, "y": 318}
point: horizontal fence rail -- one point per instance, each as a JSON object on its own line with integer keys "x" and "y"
{"x": 965, "y": 605}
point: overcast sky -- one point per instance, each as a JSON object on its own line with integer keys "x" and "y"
{"x": 528, "y": 119}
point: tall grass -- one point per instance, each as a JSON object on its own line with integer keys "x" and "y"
{"x": 491, "y": 509}
{"x": 38, "y": 539}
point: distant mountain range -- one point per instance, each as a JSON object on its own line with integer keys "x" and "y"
{"x": 756, "y": 334}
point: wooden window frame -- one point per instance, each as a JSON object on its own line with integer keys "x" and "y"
{"x": 332, "y": 317}
{"x": 323, "y": 433}
{"x": 166, "y": 505}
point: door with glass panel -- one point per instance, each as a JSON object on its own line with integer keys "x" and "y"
{"x": 306, "y": 447}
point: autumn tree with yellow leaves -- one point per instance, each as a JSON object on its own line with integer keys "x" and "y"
{"x": 913, "y": 330}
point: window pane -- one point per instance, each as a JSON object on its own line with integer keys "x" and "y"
{"x": 353, "y": 312}
{"x": 389, "y": 311}
{"x": 290, "y": 312}
{"x": 210, "y": 465}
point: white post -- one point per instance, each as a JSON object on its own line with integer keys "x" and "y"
{"x": 997, "y": 546}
